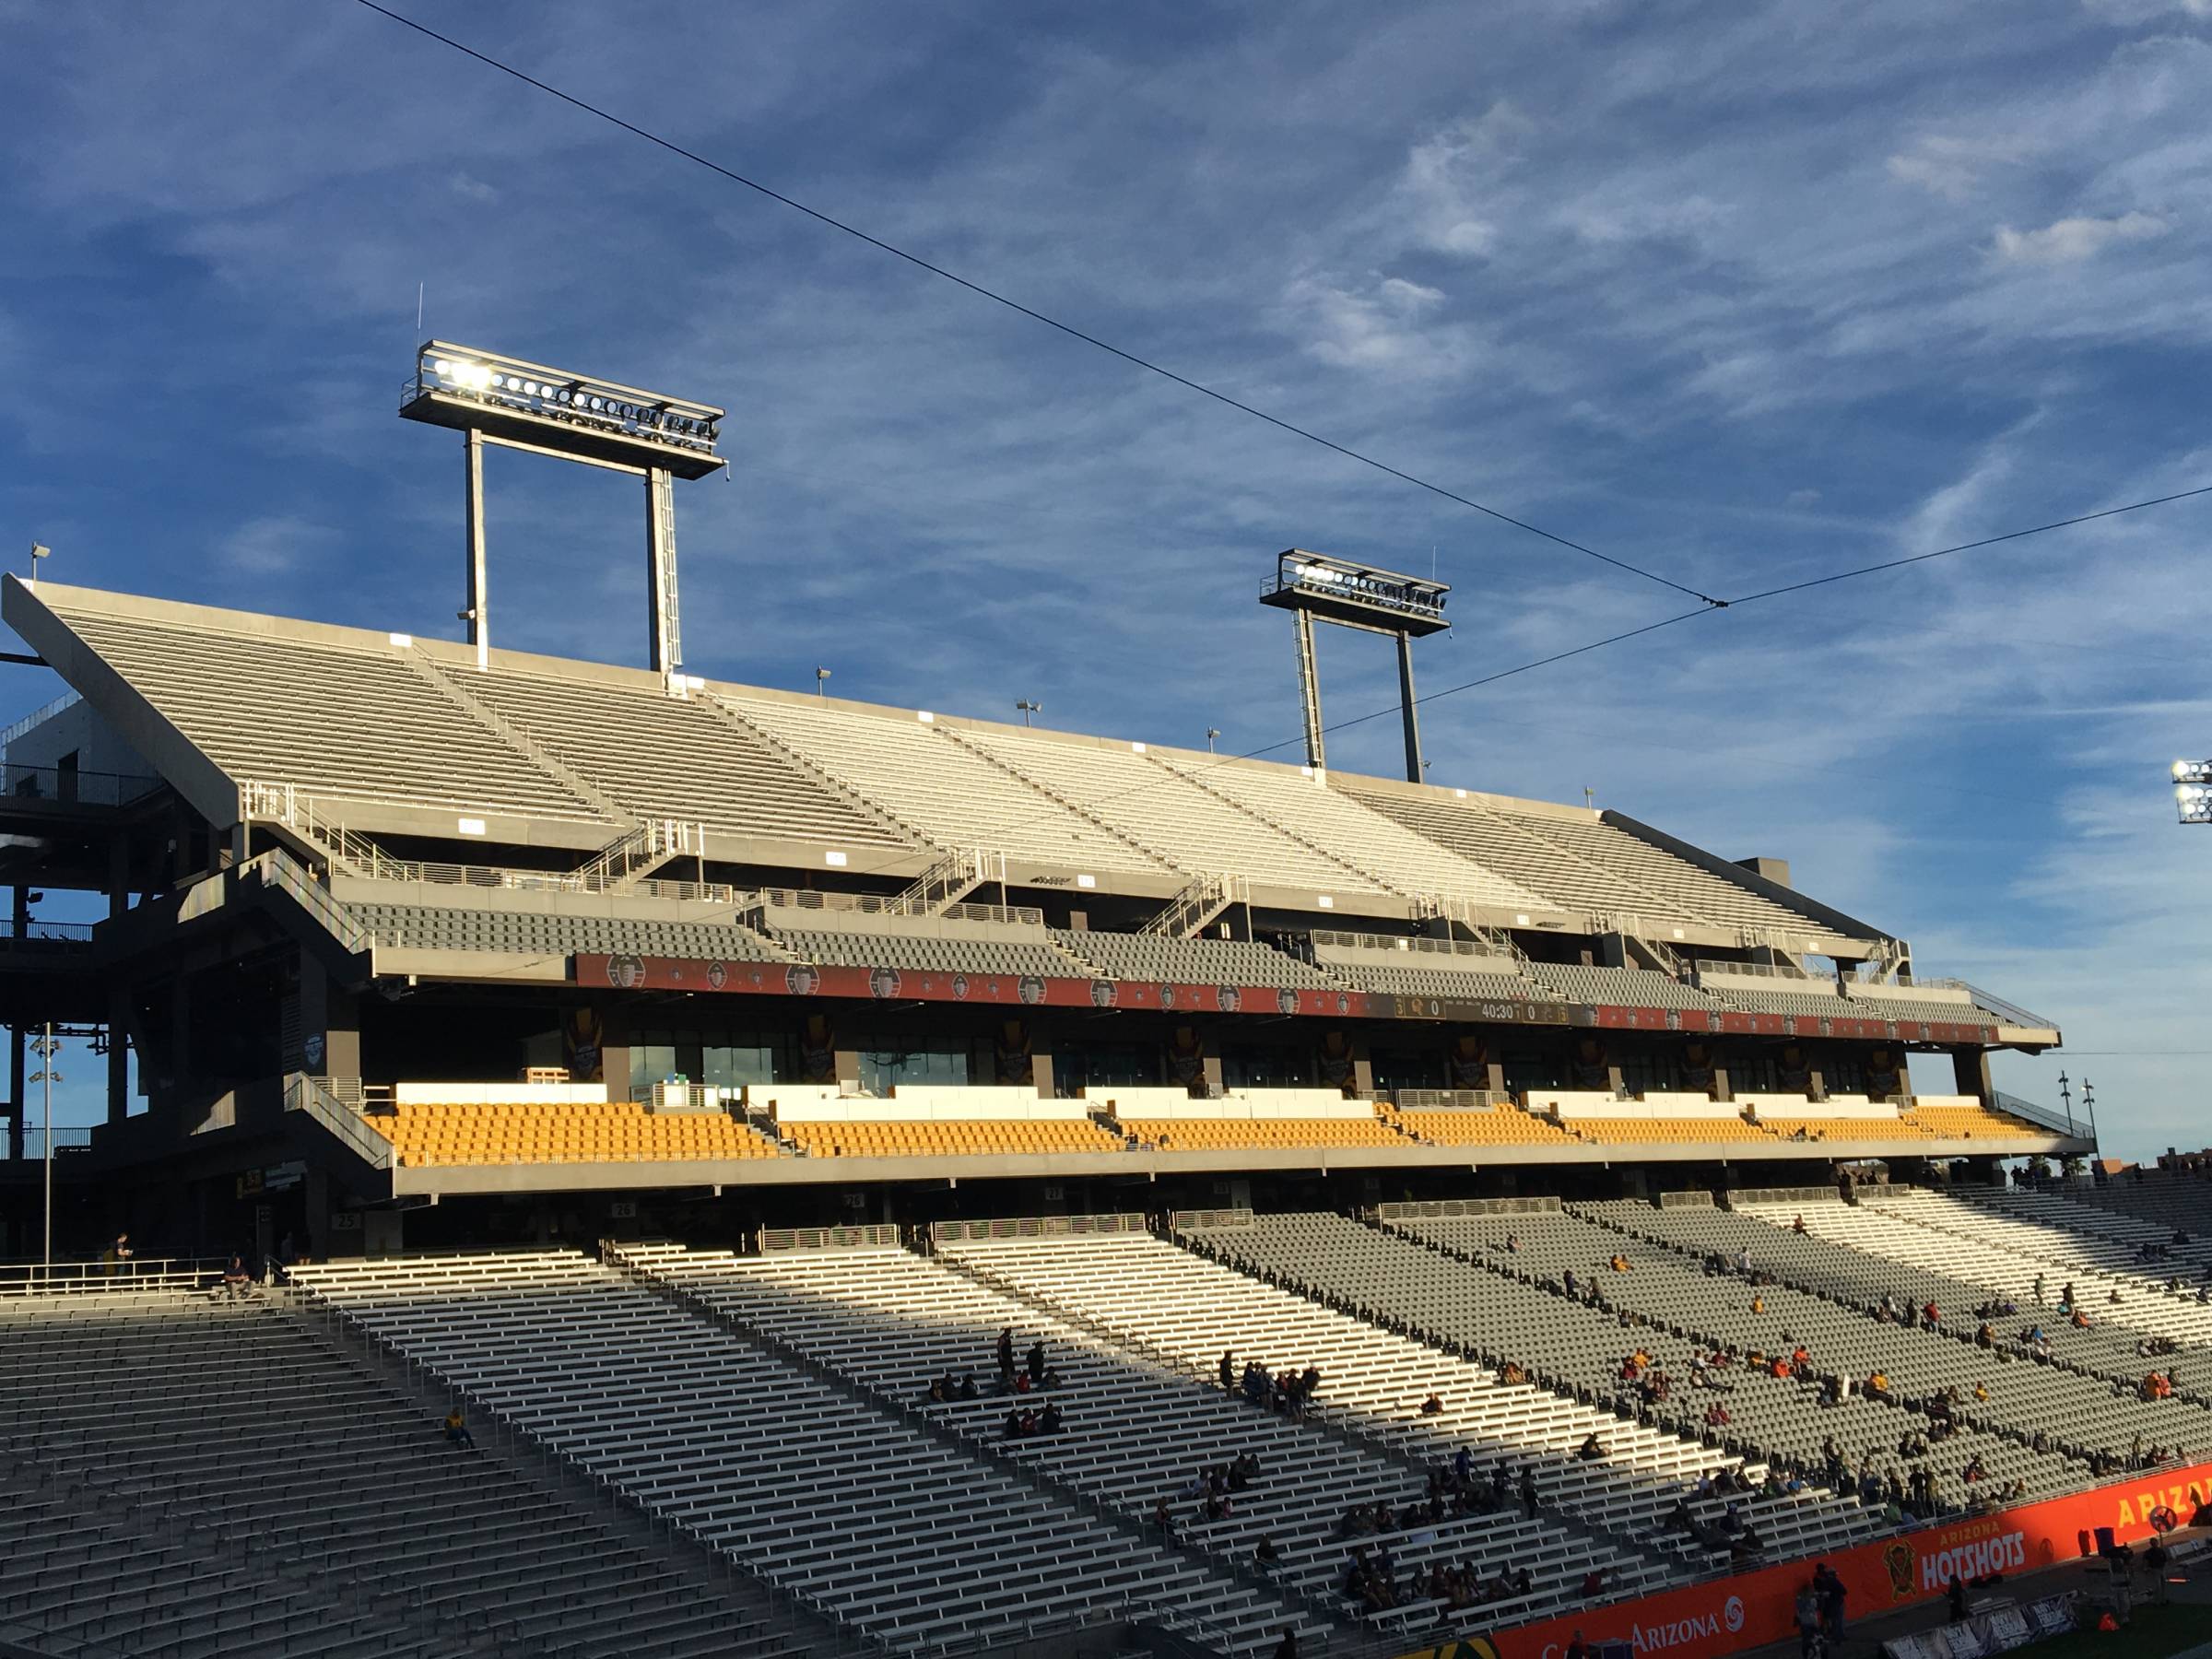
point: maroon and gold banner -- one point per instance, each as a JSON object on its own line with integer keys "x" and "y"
{"x": 1754, "y": 1610}
{"x": 895, "y": 985}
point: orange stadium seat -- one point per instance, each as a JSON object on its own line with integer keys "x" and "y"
{"x": 1501, "y": 1126}
{"x": 425, "y": 1134}
{"x": 969, "y": 1137}
{"x": 1225, "y": 1134}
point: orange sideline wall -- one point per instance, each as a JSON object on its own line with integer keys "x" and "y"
{"x": 1752, "y": 1610}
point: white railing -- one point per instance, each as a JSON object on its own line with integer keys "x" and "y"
{"x": 148, "y": 1273}
{"x": 1791, "y": 971}
{"x": 38, "y": 716}
{"x": 1451, "y": 1100}
{"x": 1206, "y": 897}
{"x": 941, "y": 886}
{"x": 776, "y": 1241}
{"x": 1035, "y": 1226}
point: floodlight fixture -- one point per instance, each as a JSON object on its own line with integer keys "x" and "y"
{"x": 2192, "y": 791}
{"x": 1027, "y": 708}
{"x": 489, "y": 398}
{"x": 1317, "y": 586}
{"x": 821, "y": 676}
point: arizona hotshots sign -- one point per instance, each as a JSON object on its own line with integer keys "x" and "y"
{"x": 1754, "y": 1610}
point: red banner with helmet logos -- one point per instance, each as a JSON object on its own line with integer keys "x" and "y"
{"x": 1754, "y": 1610}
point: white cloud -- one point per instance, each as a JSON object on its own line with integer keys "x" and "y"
{"x": 1380, "y": 324}
{"x": 471, "y": 189}
{"x": 276, "y": 545}
{"x": 1952, "y": 166}
{"x": 2068, "y": 241}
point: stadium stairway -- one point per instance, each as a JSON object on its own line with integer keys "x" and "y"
{"x": 189, "y": 1479}
{"x": 866, "y": 1518}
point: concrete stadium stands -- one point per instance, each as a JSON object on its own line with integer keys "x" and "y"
{"x": 1136, "y": 1430}
{"x": 687, "y": 760}
{"x": 439, "y": 927}
{"x": 339, "y": 720}
{"x": 872, "y": 1521}
{"x": 1502, "y": 1124}
{"x": 1677, "y": 887}
{"x": 1927, "y": 1229}
{"x": 924, "y": 953}
{"x": 2076, "y": 1403}
{"x": 1299, "y": 804}
{"x": 1570, "y": 1346}
{"x": 949, "y": 793}
{"x": 1173, "y": 1305}
{"x": 1162, "y": 811}
{"x": 194, "y": 1479}
{"x": 1622, "y": 987}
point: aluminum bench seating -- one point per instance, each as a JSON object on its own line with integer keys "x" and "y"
{"x": 894, "y": 1532}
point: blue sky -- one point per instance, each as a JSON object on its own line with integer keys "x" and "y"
{"x": 1741, "y": 293}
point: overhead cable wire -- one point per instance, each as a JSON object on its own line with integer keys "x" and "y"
{"x": 996, "y": 298}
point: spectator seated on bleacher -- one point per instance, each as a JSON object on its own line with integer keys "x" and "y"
{"x": 238, "y": 1283}
{"x": 456, "y": 1431}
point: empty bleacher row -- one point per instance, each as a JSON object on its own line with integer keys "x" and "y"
{"x": 201, "y": 1480}
{"x": 924, "y": 953}
{"x": 874, "y": 1522}
{"x": 547, "y": 933}
{"x": 1134, "y": 1434}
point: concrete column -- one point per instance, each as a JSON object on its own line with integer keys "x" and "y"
{"x": 1040, "y": 1074}
{"x": 1363, "y": 1074}
{"x": 119, "y": 1056}
{"x": 1211, "y": 1074}
{"x": 1720, "y": 1091}
{"x": 1970, "y": 1074}
{"x": 1816, "y": 1084}
{"x": 332, "y": 1014}
{"x": 848, "y": 1068}
{"x": 1494, "y": 1078}
{"x": 1614, "y": 1080}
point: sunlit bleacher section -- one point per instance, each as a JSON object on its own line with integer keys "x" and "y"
{"x": 1679, "y": 1284}
{"x": 1570, "y": 1346}
{"x": 1160, "y": 810}
{"x": 933, "y": 1120}
{"x": 1302, "y": 804}
{"x": 1860, "y": 1278}
{"x": 1136, "y": 1430}
{"x": 545, "y": 931}
{"x": 1258, "y": 1119}
{"x": 1838, "y": 1117}
{"x": 1952, "y": 1236}
{"x": 1372, "y": 1381}
{"x": 1574, "y": 859}
{"x": 1454, "y": 970}
{"x": 441, "y": 1125}
{"x": 1443, "y": 1117}
{"x": 942, "y": 950}
{"x": 336, "y": 712}
{"x": 949, "y": 793}
{"x": 880, "y": 1524}
{"x": 182, "y": 1477}
{"x": 1199, "y": 961}
{"x": 684, "y": 759}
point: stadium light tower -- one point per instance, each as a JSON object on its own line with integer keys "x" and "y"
{"x": 2193, "y": 790}
{"x": 1311, "y": 585}
{"x": 491, "y": 398}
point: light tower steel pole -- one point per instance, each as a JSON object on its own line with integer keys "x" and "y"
{"x": 1314, "y": 585}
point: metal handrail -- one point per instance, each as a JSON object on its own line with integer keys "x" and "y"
{"x": 136, "y": 1272}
